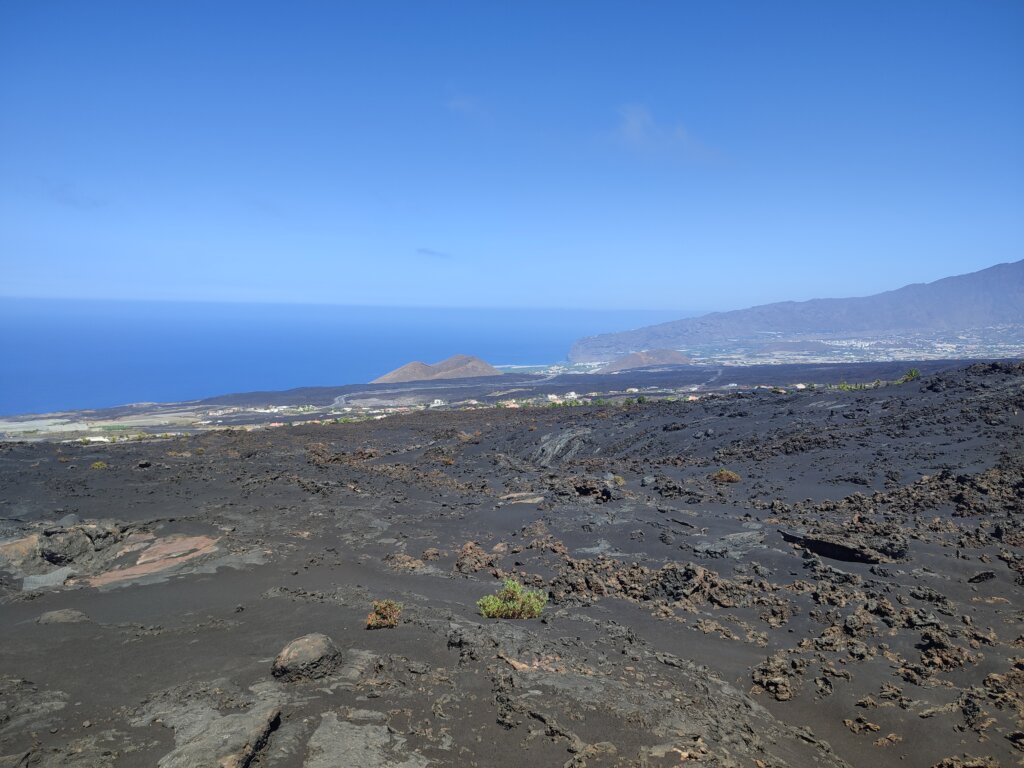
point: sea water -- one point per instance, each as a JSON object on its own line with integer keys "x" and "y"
{"x": 66, "y": 354}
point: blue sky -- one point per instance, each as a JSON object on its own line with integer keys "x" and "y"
{"x": 663, "y": 155}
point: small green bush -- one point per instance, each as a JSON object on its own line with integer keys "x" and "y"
{"x": 513, "y": 601}
{"x": 98, "y": 465}
{"x": 385, "y": 615}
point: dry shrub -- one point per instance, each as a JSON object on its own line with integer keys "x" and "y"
{"x": 385, "y": 615}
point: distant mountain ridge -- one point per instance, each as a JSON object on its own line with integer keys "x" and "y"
{"x": 646, "y": 359}
{"x": 455, "y": 367}
{"x": 989, "y": 297}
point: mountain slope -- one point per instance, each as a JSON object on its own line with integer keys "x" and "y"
{"x": 455, "y": 367}
{"x": 651, "y": 357}
{"x": 993, "y": 296}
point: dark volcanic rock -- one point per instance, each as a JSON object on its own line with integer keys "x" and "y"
{"x": 679, "y": 626}
{"x": 835, "y": 548}
{"x": 472, "y": 558}
{"x": 309, "y": 657}
{"x": 63, "y": 616}
{"x": 231, "y": 741}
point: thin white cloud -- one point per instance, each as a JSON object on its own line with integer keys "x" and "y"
{"x": 639, "y": 131}
{"x": 465, "y": 105}
{"x": 636, "y": 125}
{"x": 68, "y": 195}
{"x": 263, "y": 207}
{"x": 433, "y": 254}
{"x": 462, "y": 105}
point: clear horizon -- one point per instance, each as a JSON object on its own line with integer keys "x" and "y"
{"x": 678, "y": 157}
{"x": 425, "y": 307}
{"x": 682, "y": 312}
{"x": 60, "y": 355}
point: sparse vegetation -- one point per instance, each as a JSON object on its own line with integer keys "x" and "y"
{"x": 725, "y": 476}
{"x": 912, "y": 375}
{"x": 99, "y": 465}
{"x": 513, "y": 601}
{"x": 385, "y": 615}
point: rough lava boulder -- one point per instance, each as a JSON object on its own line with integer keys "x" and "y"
{"x": 309, "y": 657}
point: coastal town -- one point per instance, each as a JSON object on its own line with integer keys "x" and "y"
{"x": 535, "y": 390}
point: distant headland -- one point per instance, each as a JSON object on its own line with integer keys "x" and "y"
{"x": 455, "y": 367}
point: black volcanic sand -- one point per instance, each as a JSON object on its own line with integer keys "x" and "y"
{"x": 852, "y": 597}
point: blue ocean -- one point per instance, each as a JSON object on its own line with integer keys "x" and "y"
{"x": 63, "y": 355}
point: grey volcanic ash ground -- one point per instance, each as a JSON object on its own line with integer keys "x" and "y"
{"x": 849, "y": 592}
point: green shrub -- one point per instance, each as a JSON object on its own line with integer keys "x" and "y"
{"x": 385, "y": 615}
{"x": 98, "y": 465}
{"x": 513, "y": 601}
{"x": 725, "y": 476}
